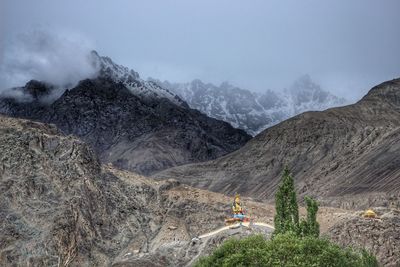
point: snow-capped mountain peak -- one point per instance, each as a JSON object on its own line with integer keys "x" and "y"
{"x": 305, "y": 94}
{"x": 131, "y": 79}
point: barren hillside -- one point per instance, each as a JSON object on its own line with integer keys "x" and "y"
{"x": 348, "y": 156}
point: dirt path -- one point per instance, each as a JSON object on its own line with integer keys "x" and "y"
{"x": 234, "y": 226}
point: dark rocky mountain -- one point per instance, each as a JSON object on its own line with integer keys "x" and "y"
{"x": 347, "y": 156}
{"x": 254, "y": 112}
{"x": 60, "y": 207}
{"x": 133, "y": 124}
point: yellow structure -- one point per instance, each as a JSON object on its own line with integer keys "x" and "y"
{"x": 237, "y": 206}
{"x": 238, "y": 212}
{"x": 369, "y": 214}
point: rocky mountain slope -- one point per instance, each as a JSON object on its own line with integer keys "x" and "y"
{"x": 253, "y": 112}
{"x": 60, "y": 207}
{"x": 380, "y": 236}
{"x": 131, "y": 123}
{"x": 348, "y": 156}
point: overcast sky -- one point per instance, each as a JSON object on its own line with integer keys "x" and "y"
{"x": 346, "y": 46}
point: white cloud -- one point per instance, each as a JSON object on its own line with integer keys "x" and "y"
{"x": 59, "y": 59}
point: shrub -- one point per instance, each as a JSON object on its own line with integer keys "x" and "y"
{"x": 286, "y": 249}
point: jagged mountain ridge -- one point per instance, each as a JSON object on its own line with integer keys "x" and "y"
{"x": 253, "y": 112}
{"x": 347, "y": 156}
{"x": 131, "y": 79}
{"x": 127, "y": 123}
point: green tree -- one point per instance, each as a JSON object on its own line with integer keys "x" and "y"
{"x": 310, "y": 226}
{"x": 287, "y": 210}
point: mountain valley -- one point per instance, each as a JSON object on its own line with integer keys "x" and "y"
{"x": 346, "y": 157}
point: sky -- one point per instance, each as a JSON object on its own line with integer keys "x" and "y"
{"x": 345, "y": 46}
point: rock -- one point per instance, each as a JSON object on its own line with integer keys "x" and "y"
{"x": 379, "y": 236}
{"x": 186, "y": 253}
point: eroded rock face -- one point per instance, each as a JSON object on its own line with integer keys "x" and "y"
{"x": 185, "y": 253}
{"x": 59, "y": 206}
{"x": 380, "y": 236}
{"x": 144, "y": 135}
{"x": 335, "y": 155}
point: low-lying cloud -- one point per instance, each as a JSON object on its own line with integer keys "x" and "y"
{"x": 61, "y": 60}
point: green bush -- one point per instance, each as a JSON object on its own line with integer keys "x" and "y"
{"x": 286, "y": 250}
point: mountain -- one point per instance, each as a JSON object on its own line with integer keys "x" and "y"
{"x": 146, "y": 90}
{"x": 135, "y": 125}
{"x": 60, "y": 207}
{"x": 347, "y": 156}
{"x": 253, "y": 112}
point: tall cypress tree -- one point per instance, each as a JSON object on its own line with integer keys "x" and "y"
{"x": 287, "y": 210}
{"x": 310, "y": 226}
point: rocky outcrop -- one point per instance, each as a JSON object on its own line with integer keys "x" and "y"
{"x": 186, "y": 253}
{"x": 346, "y": 152}
{"x": 131, "y": 131}
{"x": 379, "y": 236}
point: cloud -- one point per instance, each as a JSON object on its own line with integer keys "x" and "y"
{"x": 58, "y": 59}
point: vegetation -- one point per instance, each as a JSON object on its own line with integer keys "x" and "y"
{"x": 310, "y": 226}
{"x": 286, "y": 249}
{"x": 294, "y": 243}
{"x": 287, "y": 210}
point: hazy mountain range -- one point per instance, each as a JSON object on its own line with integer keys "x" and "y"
{"x": 250, "y": 111}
